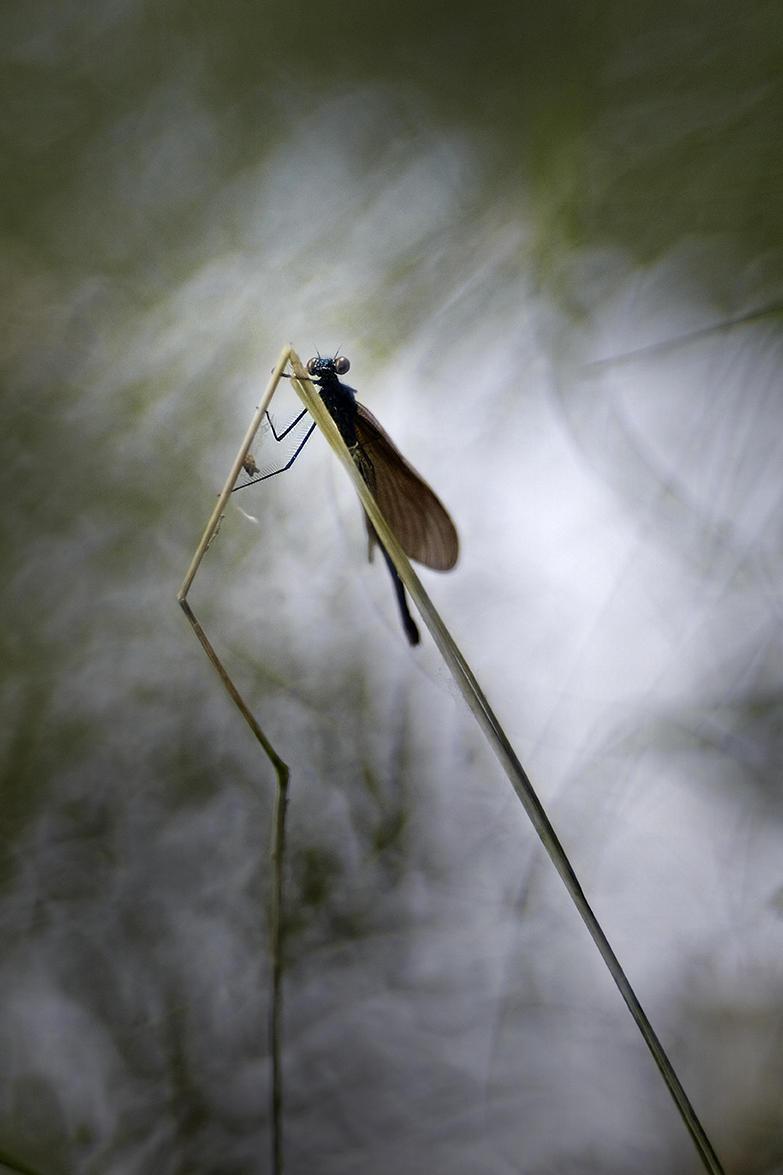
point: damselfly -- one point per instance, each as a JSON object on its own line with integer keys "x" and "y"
{"x": 417, "y": 518}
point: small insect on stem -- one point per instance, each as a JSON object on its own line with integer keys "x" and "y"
{"x": 416, "y": 517}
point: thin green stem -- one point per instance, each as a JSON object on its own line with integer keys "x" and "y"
{"x": 276, "y": 1011}
{"x": 281, "y": 770}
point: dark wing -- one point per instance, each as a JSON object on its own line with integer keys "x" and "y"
{"x": 416, "y": 517}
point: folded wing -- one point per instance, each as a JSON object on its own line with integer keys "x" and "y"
{"x": 417, "y": 518}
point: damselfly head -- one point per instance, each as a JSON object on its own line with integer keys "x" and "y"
{"x": 337, "y": 366}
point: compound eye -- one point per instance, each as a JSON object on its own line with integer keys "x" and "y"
{"x": 312, "y": 366}
{"x": 342, "y": 365}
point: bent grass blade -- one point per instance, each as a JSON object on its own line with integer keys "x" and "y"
{"x": 484, "y": 715}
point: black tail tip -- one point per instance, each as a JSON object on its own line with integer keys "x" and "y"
{"x": 411, "y": 631}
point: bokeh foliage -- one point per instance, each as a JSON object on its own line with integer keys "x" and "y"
{"x": 184, "y": 187}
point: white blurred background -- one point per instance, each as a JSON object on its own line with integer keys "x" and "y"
{"x": 549, "y": 243}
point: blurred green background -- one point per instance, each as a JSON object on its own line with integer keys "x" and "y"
{"x": 549, "y": 240}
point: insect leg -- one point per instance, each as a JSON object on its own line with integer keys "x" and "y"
{"x": 282, "y": 468}
{"x": 286, "y": 431}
